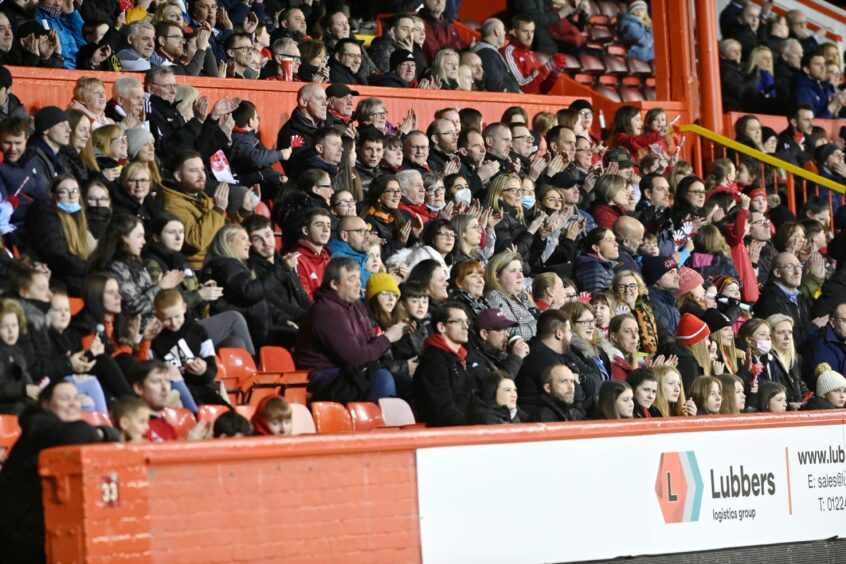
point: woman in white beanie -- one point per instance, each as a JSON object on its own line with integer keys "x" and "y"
{"x": 831, "y": 390}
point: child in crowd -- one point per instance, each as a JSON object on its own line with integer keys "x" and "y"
{"x": 232, "y": 424}
{"x": 273, "y": 416}
{"x": 15, "y": 383}
{"x": 89, "y": 388}
{"x": 185, "y": 345}
{"x": 131, "y": 416}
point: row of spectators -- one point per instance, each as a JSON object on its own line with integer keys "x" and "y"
{"x": 771, "y": 63}
{"x": 309, "y": 42}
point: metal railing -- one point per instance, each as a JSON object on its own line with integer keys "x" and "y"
{"x": 722, "y": 144}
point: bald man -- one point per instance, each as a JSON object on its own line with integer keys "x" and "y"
{"x": 306, "y": 119}
{"x": 629, "y": 234}
{"x": 781, "y": 294}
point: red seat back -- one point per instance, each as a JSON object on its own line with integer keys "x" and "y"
{"x": 276, "y": 359}
{"x": 238, "y": 363}
{"x": 10, "y": 430}
{"x": 365, "y": 416}
{"x": 96, "y": 418}
{"x": 331, "y": 417}
{"x": 180, "y": 418}
{"x": 209, "y": 413}
{"x": 246, "y": 410}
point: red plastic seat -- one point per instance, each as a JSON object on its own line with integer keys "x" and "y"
{"x": 639, "y": 68}
{"x": 571, "y": 64}
{"x": 608, "y": 80}
{"x": 246, "y": 410}
{"x": 210, "y": 413}
{"x": 10, "y": 430}
{"x": 616, "y": 65}
{"x": 600, "y": 34}
{"x": 609, "y": 92}
{"x": 302, "y": 422}
{"x": 331, "y": 417}
{"x": 365, "y": 416}
{"x": 586, "y": 79}
{"x": 96, "y": 418}
{"x": 591, "y": 64}
{"x": 276, "y": 359}
{"x": 180, "y": 418}
{"x": 396, "y": 412}
{"x": 630, "y": 94}
{"x": 237, "y": 363}
{"x": 616, "y": 49}
{"x": 632, "y": 81}
{"x": 649, "y": 93}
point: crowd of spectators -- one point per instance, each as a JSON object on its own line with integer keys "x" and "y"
{"x": 536, "y": 268}
{"x": 771, "y": 63}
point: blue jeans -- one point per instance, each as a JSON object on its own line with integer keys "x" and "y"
{"x": 184, "y": 395}
{"x": 381, "y": 383}
{"x": 90, "y": 386}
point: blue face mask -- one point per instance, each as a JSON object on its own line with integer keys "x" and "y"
{"x": 527, "y": 201}
{"x": 70, "y": 208}
{"x": 433, "y": 208}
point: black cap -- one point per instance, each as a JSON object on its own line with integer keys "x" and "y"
{"x": 400, "y": 56}
{"x": 562, "y": 180}
{"x": 339, "y": 90}
{"x": 47, "y": 117}
{"x": 580, "y": 105}
{"x": 824, "y": 151}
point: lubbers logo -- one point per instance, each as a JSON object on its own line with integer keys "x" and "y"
{"x": 679, "y": 487}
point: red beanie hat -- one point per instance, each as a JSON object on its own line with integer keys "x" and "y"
{"x": 755, "y": 192}
{"x": 688, "y": 280}
{"x": 691, "y": 330}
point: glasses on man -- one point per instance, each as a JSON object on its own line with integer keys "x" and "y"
{"x": 166, "y": 86}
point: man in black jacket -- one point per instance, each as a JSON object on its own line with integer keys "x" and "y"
{"x": 497, "y": 76}
{"x": 290, "y": 296}
{"x": 491, "y": 349}
{"x": 306, "y": 119}
{"x": 172, "y": 133}
{"x": 551, "y": 346}
{"x": 345, "y": 65}
{"x": 791, "y": 141}
{"x": 781, "y": 295}
{"x": 558, "y": 400}
{"x": 444, "y": 393}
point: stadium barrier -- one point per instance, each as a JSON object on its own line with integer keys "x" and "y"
{"x": 661, "y": 486}
{"x": 275, "y": 99}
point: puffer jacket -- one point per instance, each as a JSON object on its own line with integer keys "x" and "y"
{"x": 137, "y": 291}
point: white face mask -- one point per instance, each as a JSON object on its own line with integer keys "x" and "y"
{"x": 463, "y": 196}
{"x": 765, "y": 346}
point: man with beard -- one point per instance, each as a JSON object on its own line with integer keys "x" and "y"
{"x": 558, "y": 400}
{"x": 170, "y": 49}
{"x": 443, "y": 139}
{"x": 490, "y": 347}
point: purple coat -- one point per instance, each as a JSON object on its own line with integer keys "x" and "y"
{"x": 335, "y": 334}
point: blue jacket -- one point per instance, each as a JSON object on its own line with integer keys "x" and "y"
{"x": 69, "y": 28}
{"x": 340, "y": 249}
{"x": 813, "y": 93}
{"x": 633, "y": 30}
{"x": 592, "y": 273}
{"x": 823, "y": 345}
{"x": 667, "y": 315}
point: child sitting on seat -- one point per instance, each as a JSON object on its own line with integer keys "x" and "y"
{"x": 273, "y": 417}
{"x": 185, "y": 345}
{"x": 131, "y": 416}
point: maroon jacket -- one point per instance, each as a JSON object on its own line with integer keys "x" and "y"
{"x": 335, "y": 334}
{"x": 440, "y": 34}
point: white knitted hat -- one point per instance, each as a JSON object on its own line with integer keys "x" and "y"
{"x": 828, "y": 380}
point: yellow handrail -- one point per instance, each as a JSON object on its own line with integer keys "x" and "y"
{"x": 763, "y": 157}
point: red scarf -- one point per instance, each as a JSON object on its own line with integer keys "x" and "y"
{"x": 439, "y": 342}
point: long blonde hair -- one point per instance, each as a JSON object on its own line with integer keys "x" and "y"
{"x": 701, "y": 354}
{"x": 499, "y": 184}
{"x": 661, "y": 403}
{"x": 788, "y": 357}
{"x": 74, "y": 226}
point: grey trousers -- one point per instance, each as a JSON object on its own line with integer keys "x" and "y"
{"x": 229, "y": 329}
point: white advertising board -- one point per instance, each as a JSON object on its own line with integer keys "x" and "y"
{"x": 576, "y": 500}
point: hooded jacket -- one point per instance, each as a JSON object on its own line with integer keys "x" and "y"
{"x": 201, "y": 218}
{"x": 297, "y": 133}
